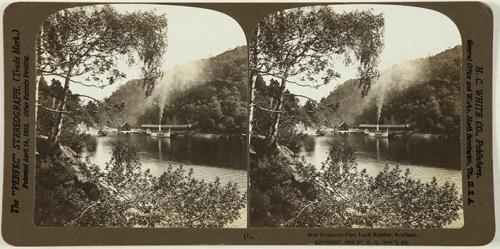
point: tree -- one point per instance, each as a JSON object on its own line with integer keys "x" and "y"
{"x": 300, "y": 46}
{"x": 49, "y": 99}
{"x": 81, "y": 46}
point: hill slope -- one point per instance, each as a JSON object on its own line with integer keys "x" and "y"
{"x": 209, "y": 92}
{"x": 410, "y": 87}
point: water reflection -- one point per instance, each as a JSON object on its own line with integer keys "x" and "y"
{"x": 209, "y": 157}
{"x": 425, "y": 157}
{"x": 420, "y": 151}
{"x": 209, "y": 151}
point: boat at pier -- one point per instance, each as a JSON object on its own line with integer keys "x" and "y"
{"x": 102, "y": 133}
{"x": 377, "y": 133}
{"x": 166, "y": 130}
{"x": 320, "y": 133}
{"x": 387, "y": 130}
{"x": 160, "y": 134}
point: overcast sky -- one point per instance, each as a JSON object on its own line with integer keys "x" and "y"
{"x": 410, "y": 33}
{"x": 193, "y": 33}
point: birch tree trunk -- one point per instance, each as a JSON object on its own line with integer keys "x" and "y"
{"x": 38, "y": 73}
{"x": 251, "y": 105}
{"x": 273, "y": 132}
{"x": 56, "y": 130}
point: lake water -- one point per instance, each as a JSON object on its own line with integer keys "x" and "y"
{"x": 424, "y": 157}
{"x": 208, "y": 157}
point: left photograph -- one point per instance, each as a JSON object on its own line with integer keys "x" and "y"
{"x": 141, "y": 118}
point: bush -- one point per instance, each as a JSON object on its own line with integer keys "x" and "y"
{"x": 340, "y": 195}
{"x": 275, "y": 195}
{"x": 127, "y": 196}
{"x": 58, "y": 197}
{"x": 77, "y": 141}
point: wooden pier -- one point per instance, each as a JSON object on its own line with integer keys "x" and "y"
{"x": 393, "y": 129}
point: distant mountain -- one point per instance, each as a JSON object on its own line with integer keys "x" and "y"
{"x": 443, "y": 67}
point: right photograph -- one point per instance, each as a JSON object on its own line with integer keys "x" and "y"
{"x": 354, "y": 118}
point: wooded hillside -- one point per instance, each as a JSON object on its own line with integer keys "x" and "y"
{"x": 424, "y": 92}
{"x": 210, "y": 93}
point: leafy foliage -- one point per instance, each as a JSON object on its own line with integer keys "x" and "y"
{"x": 340, "y": 195}
{"x": 265, "y": 97}
{"x": 301, "y": 46}
{"x": 124, "y": 195}
{"x": 432, "y": 106}
{"x": 275, "y": 195}
{"x": 215, "y": 107}
{"x": 81, "y": 114}
{"x": 58, "y": 198}
{"x": 424, "y": 92}
{"x": 210, "y": 93}
{"x": 301, "y": 42}
{"x": 86, "y": 42}
{"x": 81, "y": 46}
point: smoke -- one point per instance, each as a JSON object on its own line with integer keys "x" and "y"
{"x": 380, "y": 103}
{"x": 396, "y": 79}
{"x": 161, "y": 116}
{"x": 179, "y": 79}
{"x": 174, "y": 82}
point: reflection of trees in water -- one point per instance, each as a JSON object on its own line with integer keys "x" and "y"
{"x": 347, "y": 196}
{"x": 123, "y": 194}
{"x": 166, "y": 146}
{"x": 433, "y": 152}
{"x": 309, "y": 143}
{"x": 90, "y": 144}
{"x": 377, "y": 144}
{"x": 219, "y": 152}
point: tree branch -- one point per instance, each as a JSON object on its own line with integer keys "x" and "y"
{"x": 300, "y": 212}
{"x": 306, "y": 85}
{"x": 319, "y": 106}
{"x": 99, "y": 102}
{"x": 53, "y": 110}
{"x": 44, "y": 72}
{"x": 91, "y": 85}
{"x": 287, "y": 80}
{"x": 267, "y": 110}
{"x": 86, "y": 96}
{"x": 303, "y": 96}
{"x": 84, "y": 211}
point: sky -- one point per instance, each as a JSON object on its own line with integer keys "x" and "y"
{"x": 193, "y": 33}
{"x": 410, "y": 33}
